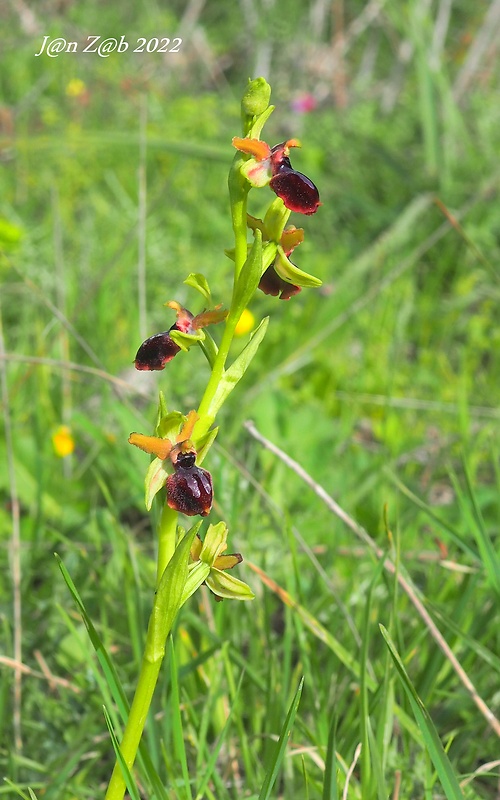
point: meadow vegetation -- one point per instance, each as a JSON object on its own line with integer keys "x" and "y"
{"x": 382, "y": 386}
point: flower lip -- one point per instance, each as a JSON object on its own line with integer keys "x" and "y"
{"x": 190, "y": 490}
{"x": 272, "y": 166}
{"x": 156, "y": 352}
{"x": 273, "y": 284}
{"x": 297, "y": 191}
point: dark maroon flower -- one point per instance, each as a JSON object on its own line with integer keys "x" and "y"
{"x": 189, "y": 489}
{"x": 296, "y": 190}
{"x": 271, "y": 283}
{"x": 272, "y": 166}
{"x": 156, "y": 351}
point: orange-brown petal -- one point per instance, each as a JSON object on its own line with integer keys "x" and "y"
{"x": 252, "y": 147}
{"x": 151, "y": 444}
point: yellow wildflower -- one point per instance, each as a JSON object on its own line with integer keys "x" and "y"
{"x": 62, "y": 441}
{"x": 245, "y": 324}
{"x": 75, "y": 88}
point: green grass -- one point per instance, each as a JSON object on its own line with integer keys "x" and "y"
{"x": 382, "y": 385}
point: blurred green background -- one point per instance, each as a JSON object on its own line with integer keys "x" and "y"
{"x": 383, "y": 385}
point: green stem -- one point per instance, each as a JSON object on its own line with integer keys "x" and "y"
{"x": 238, "y": 194}
{"x": 167, "y": 532}
{"x": 153, "y": 653}
{"x": 148, "y": 678}
{"x": 150, "y": 667}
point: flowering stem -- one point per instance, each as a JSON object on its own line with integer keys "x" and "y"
{"x": 151, "y": 663}
{"x": 172, "y": 565}
{"x": 238, "y": 193}
{"x": 129, "y": 745}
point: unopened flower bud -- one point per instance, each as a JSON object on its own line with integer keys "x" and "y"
{"x": 256, "y": 98}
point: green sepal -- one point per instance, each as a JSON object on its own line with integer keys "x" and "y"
{"x": 238, "y": 368}
{"x": 187, "y": 340}
{"x": 215, "y": 539}
{"x": 227, "y": 586}
{"x": 198, "y": 281}
{"x": 156, "y": 478}
{"x": 292, "y": 274}
{"x": 168, "y": 597}
{"x": 248, "y": 279}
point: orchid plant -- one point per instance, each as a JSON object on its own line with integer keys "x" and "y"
{"x": 181, "y": 441}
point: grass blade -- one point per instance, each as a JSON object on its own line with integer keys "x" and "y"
{"x": 177, "y": 720}
{"x": 208, "y": 768}
{"x": 127, "y": 775}
{"x": 432, "y": 741}
{"x": 271, "y": 776}
{"x": 489, "y": 557}
{"x": 330, "y": 779}
{"x": 112, "y": 681}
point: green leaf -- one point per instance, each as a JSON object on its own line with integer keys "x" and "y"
{"x": 209, "y": 766}
{"x": 242, "y": 362}
{"x": 238, "y": 367}
{"x": 430, "y": 736}
{"x": 200, "y": 283}
{"x": 111, "y": 679}
{"x": 18, "y": 789}
{"x": 279, "y": 753}
{"x": 169, "y": 596}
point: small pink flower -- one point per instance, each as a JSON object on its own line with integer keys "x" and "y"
{"x": 304, "y": 103}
